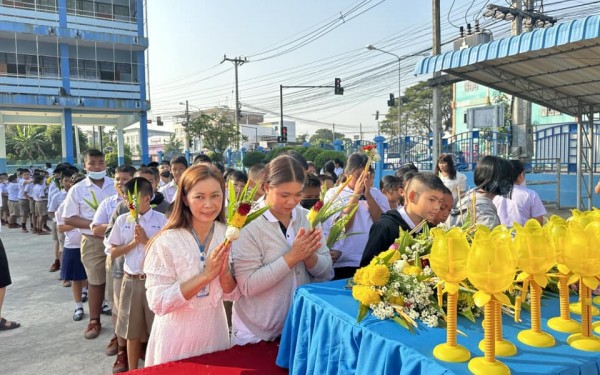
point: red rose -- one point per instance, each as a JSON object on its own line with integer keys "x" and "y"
{"x": 131, "y": 206}
{"x": 318, "y": 206}
{"x": 244, "y": 209}
{"x": 368, "y": 147}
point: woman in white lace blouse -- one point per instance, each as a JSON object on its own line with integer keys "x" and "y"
{"x": 187, "y": 272}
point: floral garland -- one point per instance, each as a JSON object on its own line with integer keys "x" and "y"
{"x": 133, "y": 203}
{"x": 238, "y": 210}
{"x": 320, "y": 212}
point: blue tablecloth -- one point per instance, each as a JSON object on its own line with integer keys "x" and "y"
{"x": 321, "y": 336}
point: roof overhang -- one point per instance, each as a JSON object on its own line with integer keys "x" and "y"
{"x": 558, "y": 67}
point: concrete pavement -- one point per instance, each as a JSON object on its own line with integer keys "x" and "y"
{"x": 49, "y": 341}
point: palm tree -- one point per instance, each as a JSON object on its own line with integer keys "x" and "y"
{"x": 27, "y": 142}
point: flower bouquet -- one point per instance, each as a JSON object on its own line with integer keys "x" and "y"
{"x": 320, "y": 212}
{"x": 238, "y": 210}
{"x": 133, "y": 203}
{"x": 372, "y": 155}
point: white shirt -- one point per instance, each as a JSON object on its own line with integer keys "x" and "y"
{"x": 405, "y": 217}
{"x": 73, "y": 236}
{"x": 338, "y": 171}
{"x": 123, "y": 233}
{"x": 352, "y": 247}
{"x": 56, "y": 200}
{"x": 22, "y": 185}
{"x": 75, "y": 204}
{"x": 38, "y": 192}
{"x": 52, "y": 190}
{"x": 169, "y": 191}
{"x": 105, "y": 210}
{"x": 13, "y": 191}
{"x": 456, "y": 185}
{"x": 523, "y": 205}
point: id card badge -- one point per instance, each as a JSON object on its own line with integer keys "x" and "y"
{"x": 204, "y": 291}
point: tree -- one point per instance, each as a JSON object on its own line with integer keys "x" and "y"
{"x": 216, "y": 131}
{"x": 112, "y": 158}
{"x": 302, "y": 138}
{"x": 254, "y": 157}
{"x": 324, "y": 136}
{"x": 54, "y": 137}
{"x": 174, "y": 146}
{"x": 416, "y": 112}
{"x": 26, "y": 141}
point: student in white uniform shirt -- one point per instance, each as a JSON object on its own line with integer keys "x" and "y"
{"x": 523, "y": 203}
{"x": 72, "y": 268}
{"x": 54, "y": 203}
{"x": 178, "y": 166}
{"x": 128, "y": 239}
{"x": 348, "y": 252}
{"x": 79, "y": 213}
{"x": 38, "y": 195}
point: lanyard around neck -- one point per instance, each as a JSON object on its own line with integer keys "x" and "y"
{"x": 202, "y": 247}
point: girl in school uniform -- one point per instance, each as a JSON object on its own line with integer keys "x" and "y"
{"x": 348, "y": 252}
{"x": 276, "y": 253}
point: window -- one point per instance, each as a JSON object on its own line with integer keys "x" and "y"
{"x": 470, "y": 86}
{"x": 545, "y": 112}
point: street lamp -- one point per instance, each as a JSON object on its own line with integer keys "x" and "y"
{"x": 371, "y": 47}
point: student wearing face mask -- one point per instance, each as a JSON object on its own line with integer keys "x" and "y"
{"x": 311, "y": 191}
{"x": 80, "y": 206}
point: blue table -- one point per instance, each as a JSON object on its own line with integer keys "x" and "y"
{"x": 321, "y": 336}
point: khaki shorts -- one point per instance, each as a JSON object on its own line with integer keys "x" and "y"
{"x": 4, "y": 207}
{"x": 31, "y": 207}
{"x": 93, "y": 259}
{"x": 13, "y": 208}
{"x": 41, "y": 208}
{"x": 135, "y": 317}
{"x": 24, "y": 208}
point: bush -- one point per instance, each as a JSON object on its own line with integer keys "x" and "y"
{"x": 312, "y": 152}
{"x": 112, "y": 159}
{"x": 328, "y": 155}
{"x": 254, "y": 157}
{"x": 276, "y": 151}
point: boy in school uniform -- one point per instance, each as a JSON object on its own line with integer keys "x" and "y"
{"x": 178, "y": 166}
{"x": 38, "y": 194}
{"x": 4, "y": 194}
{"x": 23, "y": 181}
{"x": 56, "y": 195}
{"x": 78, "y": 212}
{"x": 128, "y": 238}
{"x": 12, "y": 190}
{"x": 424, "y": 198}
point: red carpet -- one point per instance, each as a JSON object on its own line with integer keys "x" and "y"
{"x": 248, "y": 359}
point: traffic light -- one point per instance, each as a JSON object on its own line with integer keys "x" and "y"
{"x": 284, "y": 134}
{"x": 338, "y": 89}
{"x": 159, "y": 121}
{"x": 376, "y": 115}
{"x": 392, "y": 101}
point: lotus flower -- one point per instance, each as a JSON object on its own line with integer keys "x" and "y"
{"x": 448, "y": 258}
{"x": 535, "y": 253}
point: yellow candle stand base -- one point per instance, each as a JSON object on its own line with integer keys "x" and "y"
{"x": 447, "y": 353}
{"x": 596, "y": 300}
{"x": 504, "y": 348}
{"x": 564, "y": 325}
{"x": 537, "y": 339}
{"x": 575, "y": 308}
{"x": 481, "y": 366}
{"x": 588, "y": 344}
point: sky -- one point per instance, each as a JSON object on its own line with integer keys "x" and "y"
{"x": 189, "y": 38}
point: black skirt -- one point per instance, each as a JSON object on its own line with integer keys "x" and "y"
{"x": 4, "y": 272}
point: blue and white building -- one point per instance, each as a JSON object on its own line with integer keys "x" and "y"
{"x": 73, "y": 63}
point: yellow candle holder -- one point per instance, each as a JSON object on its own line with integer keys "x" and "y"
{"x": 488, "y": 364}
{"x": 585, "y": 340}
{"x": 575, "y": 308}
{"x": 490, "y": 268}
{"x": 504, "y": 348}
{"x": 564, "y": 323}
{"x": 448, "y": 260}
{"x": 535, "y": 336}
{"x": 557, "y": 231}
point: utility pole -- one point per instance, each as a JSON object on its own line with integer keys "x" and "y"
{"x": 437, "y": 90}
{"x": 361, "y": 133}
{"x": 333, "y": 133}
{"x": 186, "y": 139}
{"x": 238, "y": 113}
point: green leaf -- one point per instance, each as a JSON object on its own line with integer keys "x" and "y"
{"x": 253, "y": 215}
{"x": 403, "y": 323}
{"x": 231, "y": 200}
{"x": 467, "y": 313}
{"x": 362, "y": 312}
